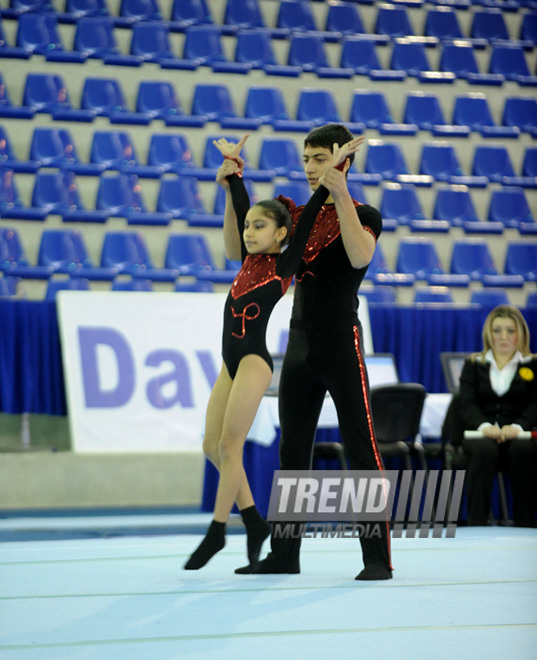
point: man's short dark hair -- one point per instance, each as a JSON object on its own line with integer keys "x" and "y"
{"x": 325, "y": 136}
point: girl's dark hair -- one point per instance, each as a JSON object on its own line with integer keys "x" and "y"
{"x": 279, "y": 213}
{"x": 325, "y": 136}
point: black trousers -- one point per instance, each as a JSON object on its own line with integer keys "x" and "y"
{"x": 516, "y": 457}
{"x": 316, "y": 362}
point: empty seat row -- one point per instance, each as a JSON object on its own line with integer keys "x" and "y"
{"x": 277, "y": 157}
{"x": 418, "y": 259}
{"x": 188, "y": 254}
{"x": 486, "y": 296}
{"x": 341, "y": 18}
{"x": 179, "y": 197}
{"x": 122, "y": 253}
{"x": 369, "y": 109}
{"x": 150, "y": 42}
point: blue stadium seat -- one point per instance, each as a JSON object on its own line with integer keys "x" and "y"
{"x": 531, "y": 299}
{"x": 215, "y": 103}
{"x": 379, "y": 294}
{"x": 157, "y": 99}
{"x": 307, "y": 51}
{"x": 74, "y": 10}
{"x": 95, "y": 37}
{"x": 440, "y": 160}
{"x": 410, "y": 56}
{"x": 18, "y": 7}
{"x": 121, "y": 196}
{"x": 510, "y": 61}
{"x": 296, "y": 16}
{"x": 132, "y": 284}
{"x": 472, "y": 256}
{"x": 489, "y": 25}
{"x": 69, "y": 284}
{"x": 189, "y": 254}
{"x": 127, "y": 253}
{"x": 393, "y": 21}
{"x": 317, "y": 106}
{"x": 369, "y": 109}
{"x": 53, "y": 147}
{"x": 400, "y": 203}
{"x": 298, "y": 191}
{"x": 419, "y": 257}
{"x": 423, "y": 110}
{"x": 433, "y": 294}
{"x": 170, "y": 153}
{"x": 9, "y": 109}
{"x": 203, "y": 45}
{"x": 521, "y": 259}
{"x": 459, "y": 58}
{"x": 45, "y": 92}
{"x": 442, "y": 23}
{"x": 281, "y": 156}
{"x": 110, "y": 150}
{"x": 455, "y": 205}
{"x": 529, "y": 162}
{"x": 151, "y": 42}
{"x": 131, "y": 11}
{"x": 509, "y": 206}
{"x": 102, "y": 97}
{"x": 254, "y": 48}
{"x": 243, "y": 14}
{"x": 343, "y": 17}
{"x": 528, "y": 28}
{"x": 386, "y": 159}
{"x": 489, "y": 298}
{"x": 37, "y": 33}
{"x": 493, "y": 162}
{"x": 186, "y": 13}
{"x": 520, "y": 112}
{"x": 266, "y": 104}
{"x": 182, "y": 199}
{"x": 11, "y": 205}
{"x": 472, "y": 110}
{"x": 12, "y": 252}
{"x": 359, "y": 54}
{"x": 64, "y": 251}
{"x": 9, "y": 160}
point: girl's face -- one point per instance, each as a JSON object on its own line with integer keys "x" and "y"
{"x": 261, "y": 233}
{"x": 504, "y": 334}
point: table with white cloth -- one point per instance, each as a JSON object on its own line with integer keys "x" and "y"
{"x": 261, "y": 448}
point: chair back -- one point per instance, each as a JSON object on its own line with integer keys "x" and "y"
{"x": 397, "y": 410}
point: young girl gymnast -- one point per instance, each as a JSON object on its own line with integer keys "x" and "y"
{"x": 246, "y": 373}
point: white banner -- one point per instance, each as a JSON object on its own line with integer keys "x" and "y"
{"x": 139, "y": 367}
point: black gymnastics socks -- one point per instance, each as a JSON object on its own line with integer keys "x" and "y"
{"x": 214, "y": 541}
{"x": 257, "y": 530}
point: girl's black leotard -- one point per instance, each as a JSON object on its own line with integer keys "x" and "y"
{"x": 262, "y": 280}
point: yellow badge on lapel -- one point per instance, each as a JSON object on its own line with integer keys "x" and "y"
{"x": 526, "y": 373}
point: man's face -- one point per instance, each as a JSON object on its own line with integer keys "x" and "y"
{"x": 316, "y": 161}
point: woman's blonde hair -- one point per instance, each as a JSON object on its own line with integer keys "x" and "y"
{"x": 507, "y": 312}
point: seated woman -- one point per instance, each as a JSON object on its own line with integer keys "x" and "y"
{"x": 498, "y": 396}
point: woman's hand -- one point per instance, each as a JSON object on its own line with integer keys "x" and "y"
{"x": 492, "y": 431}
{"x": 509, "y": 432}
{"x": 230, "y": 149}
